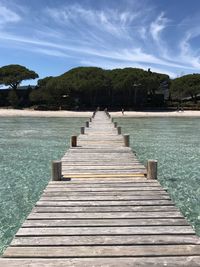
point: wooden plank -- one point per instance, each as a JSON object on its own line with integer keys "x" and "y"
{"x": 134, "y": 230}
{"x": 104, "y": 222}
{"x": 100, "y": 169}
{"x": 120, "y": 185}
{"x": 106, "y": 215}
{"x": 102, "y": 189}
{"x": 105, "y": 198}
{"x": 181, "y": 261}
{"x": 105, "y": 193}
{"x": 84, "y": 175}
{"x": 106, "y": 239}
{"x": 113, "y": 181}
{"x": 106, "y": 209}
{"x": 103, "y": 251}
{"x": 103, "y": 203}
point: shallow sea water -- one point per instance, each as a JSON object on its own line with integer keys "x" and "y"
{"x": 175, "y": 143}
{"x": 27, "y": 146}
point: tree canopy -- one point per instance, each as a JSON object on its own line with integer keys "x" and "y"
{"x": 186, "y": 86}
{"x": 89, "y": 87}
{"x": 12, "y": 75}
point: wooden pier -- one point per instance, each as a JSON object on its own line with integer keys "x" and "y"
{"x": 103, "y": 211}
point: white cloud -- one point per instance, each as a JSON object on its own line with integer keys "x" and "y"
{"x": 158, "y": 26}
{"x": 51, "y": 52}
{"x": 135, "y": 55}
{"x": 142, "y": 32}
{"x": 187, "y": 53}
{"x": 8, "y": 16}
{"x": 107, "y": 20}
{"x": 120, "y": 36}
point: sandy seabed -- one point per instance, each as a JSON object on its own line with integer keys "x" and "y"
{"x": 65, "y": 113}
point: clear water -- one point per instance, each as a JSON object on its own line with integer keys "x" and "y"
{"x": 27, "y": 146}
{"x": 175, "y": 143}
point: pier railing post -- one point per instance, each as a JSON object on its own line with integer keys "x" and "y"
{"x": 73, "y": 141}
{"x": 119, "y": 130}
{"x": 87, "y": 123}
{"x": 56, "y": 170}
{"x": 106, "y": 112}
{"x": 152, "y": 169}
{"x": 82, "y": 130}
{"x": 126, "y": 140}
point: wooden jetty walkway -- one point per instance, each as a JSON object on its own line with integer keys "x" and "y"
{"x": 103, "y": 211}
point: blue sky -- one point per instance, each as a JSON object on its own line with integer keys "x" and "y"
{"x": 53, "y": 36}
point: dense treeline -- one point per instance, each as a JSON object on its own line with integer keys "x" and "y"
{"x": 88, "y": 87}
{"x": 187, "y": 86}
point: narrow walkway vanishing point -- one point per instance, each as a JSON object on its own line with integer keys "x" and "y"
{"x": 103, "y": 211}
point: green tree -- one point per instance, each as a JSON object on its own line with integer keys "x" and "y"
{"x": 13, "y": 75}
{"x": 13, "y": 99}
{"x": 39, "y": 94}
{"x": 89, "y": 87}
{"x": 186, "y": 86}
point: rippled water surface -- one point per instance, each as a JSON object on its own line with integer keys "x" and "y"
{"x": 27, "y": 146}
{"x": 175, "y": 143}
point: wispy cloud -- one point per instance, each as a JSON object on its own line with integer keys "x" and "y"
{"x": 77, "y": 17}
{"x": 51, "y": 52}
{"x": 134, "y": 55}
{"x": 158, "y": 26}
{"x": 8, "y": 16}
{"x": 111, "y": 35}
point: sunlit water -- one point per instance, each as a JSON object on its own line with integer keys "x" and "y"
{"x": 27, "y": 146}
{"x": 175, "y": 143}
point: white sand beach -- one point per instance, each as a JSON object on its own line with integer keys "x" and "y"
{"x": 65, "y": 113}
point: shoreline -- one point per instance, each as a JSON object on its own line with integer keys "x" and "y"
{"x": 117, "y": 114}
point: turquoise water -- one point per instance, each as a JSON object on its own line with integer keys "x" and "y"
{"x": 27, "y": 146}
{"x": 175, "y": 143}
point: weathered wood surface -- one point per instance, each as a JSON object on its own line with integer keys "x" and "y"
{"x": 181, "y": 261}
{"x": 103, "y": 251}
{"x": 107, "y": 214}
{"x": 101, "y": 152}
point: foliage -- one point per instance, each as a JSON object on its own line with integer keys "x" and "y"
{"x": 89, "y": 87}
{"x": 13, "y": 75}
{"x": 13, "y": 99}
{"x": 186, "y": 86}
